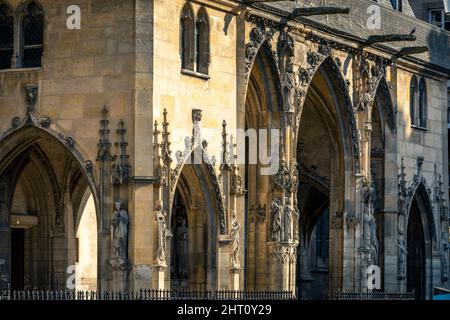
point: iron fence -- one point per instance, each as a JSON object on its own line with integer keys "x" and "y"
{"x": 374, "y": 295}
{"x": 145, "y": 295}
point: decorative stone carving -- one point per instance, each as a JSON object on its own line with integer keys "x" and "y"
{"x": 234, "y": 235}
{"x": 283, "y": 253}
{"x": 438, "y": 196}
{"x": 121, "y": 173}
{"x": 160, "y": 216}
{"x": 402, "y": 253}
{"x": 260, "y": 213}
{"x": 70, "y": 142}
{"x": 31, "y": 97}
{"x": 337, "y": 220}
{"x": 46, "y": 122}
{"x": 287, "y": 178}
{"x": 15, "y": 123}
{"x": 258, "y": 35}
{"x": 89, "y": 166}
{"x": 104, "y": 146}
{"x": 402, "y": 190}
{"x": 276, "y": 221}
{"x": 119, "y": 230}
{"x": 282, "y": 222}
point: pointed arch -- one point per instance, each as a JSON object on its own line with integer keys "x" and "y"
{"x": 187, "y": 37}
{"x": 203, "y": 55}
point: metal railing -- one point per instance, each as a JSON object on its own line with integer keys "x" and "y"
{"x": 374, "y": 295}
{"x": 145, "y": 295}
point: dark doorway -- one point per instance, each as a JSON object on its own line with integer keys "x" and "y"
{"x": 17, "y": 258}
{"x": 179, "y": 262}
{"x": 416, "y": 253}
{"x": 313, "y": 256}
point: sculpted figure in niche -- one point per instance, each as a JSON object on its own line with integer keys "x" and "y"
{"x": 276, "y": 233}
{"x": 119, "y": 228}
{"x": 402, "y": 252}
{"x": 235, "y": 242}
{"x": 181, "y": 248}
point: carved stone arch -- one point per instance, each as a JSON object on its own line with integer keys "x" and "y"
{"x": 419, "y": 187}
{"x": 16, "y": 140}
{"x": 338, "y": 85}
{"x": 383, "y": 96}
{"x": 199, "y": 153}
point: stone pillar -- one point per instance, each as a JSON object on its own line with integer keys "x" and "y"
{"x": 281, "y": 263}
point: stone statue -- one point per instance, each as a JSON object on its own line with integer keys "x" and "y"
{"x": 444, "y": 266}
{"x": 374, "y": 244}
{"x": 288, "y": 223}
{"x": 119, "y": 228}
{"x": 234, "y": 234}
{"x": 289, "y": 84}
{"x": 296, "y": 223}
{"x": 181, "y": 248}
{"x": 402, "y": 252}
{"x": 161, "y": 219}
{"x": 276, "y": 230}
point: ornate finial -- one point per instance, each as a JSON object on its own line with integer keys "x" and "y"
{"x": 122, "y": 169}
{"x": 419, "y": 164}
{"x": 104, "y": 146}
{"x": 166, "y": 153}
{"x": 224, "y": 143}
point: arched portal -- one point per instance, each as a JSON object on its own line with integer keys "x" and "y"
{"x": 42, "y": 185}
{"x": 326, "y": 167}
{"x": 263, "y": 104}
{"x": 419, "y": 236}
{"x": 194, "y": 226}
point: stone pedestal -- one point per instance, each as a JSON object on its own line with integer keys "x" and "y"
{"x": 281, "y": 266}
{"x": 120, "y": 276}
{"x": 236, "y": 272}
{"x": 159, "y": 272}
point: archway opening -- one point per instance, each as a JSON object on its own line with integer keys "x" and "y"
{"x": 86, "y": 246}
{"x": 193, "y": 247}
{"x": 322, "y": 145}
{"x": 42, "y": 185}
{"x": 416, "y": 268}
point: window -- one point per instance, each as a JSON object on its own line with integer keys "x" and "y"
{"x": 412, "y": 100}
{"x": 187, "y": 38}
{"x": 397, "y": 5}
{"x": 438, "y": 18}
{"x": 6, "y": 36}
{"x": 422, "y": 103}
{"x": 32, "y": 35}
{"x": 194, "y": 41}
{"x": 202, "y": 47}
{"x": 21, "y": 36}
{"x": 418, "y": 102}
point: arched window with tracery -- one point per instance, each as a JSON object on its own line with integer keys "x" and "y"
{"x": 202, "y": 45}
{"x": 422, "y": 103}
{"x": 6, "y": 36}
{"x": 31, "y": 22}
{"x": 187, "y": 41}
